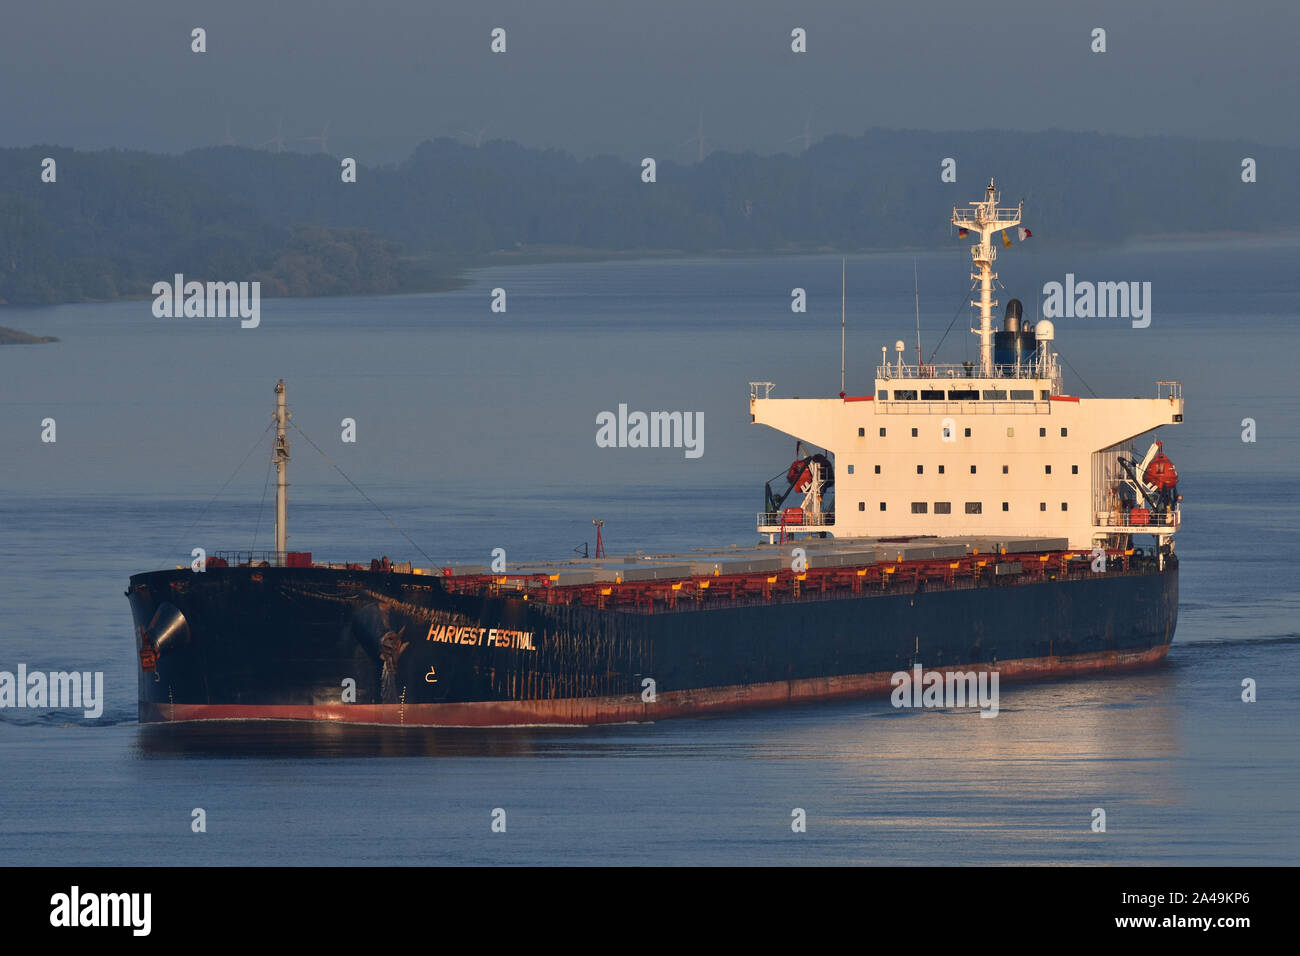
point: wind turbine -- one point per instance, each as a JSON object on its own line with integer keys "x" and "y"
{"x": 278, "y": 139}
{"x": 803, "y": 137}
{"x": 323, "y": 138}
{"x": 475, "y": 136}
{"x": 698, "y": 138}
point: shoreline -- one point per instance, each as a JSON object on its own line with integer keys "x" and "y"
{"x": 565, "y": 255}
{"x": 15, "y": 337}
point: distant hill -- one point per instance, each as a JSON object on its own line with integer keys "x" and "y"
{"x": 115, "y": 222}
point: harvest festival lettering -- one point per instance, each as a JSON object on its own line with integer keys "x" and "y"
{"x": 481, "y": 637}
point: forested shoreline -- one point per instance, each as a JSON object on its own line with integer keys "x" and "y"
{"x": 114, "y": 222}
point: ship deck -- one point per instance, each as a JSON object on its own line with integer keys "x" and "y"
{"x": 829, "y": 568}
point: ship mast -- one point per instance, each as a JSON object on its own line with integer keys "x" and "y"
{"x": 988, "y": 220}
{"x": 280, "y": 455}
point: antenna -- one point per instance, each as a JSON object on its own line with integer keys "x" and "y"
{"x": 843, "y": 269}
{"x": 916, "y": 290}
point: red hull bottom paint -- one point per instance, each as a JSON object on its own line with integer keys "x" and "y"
{"x": 581, "y": 711}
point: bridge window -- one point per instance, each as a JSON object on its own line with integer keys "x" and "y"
{"x": 882, "y": 395}
{"x": 943, "y": 507}
{"x": 904, "y": 394}
{"x": 920, "y": 508}
{"x": 1043, "y": 394}
{"x": 995, "y": 394}
{"x": 1022, "y": 394}
{"x": 974, "y": 507}
{"x": 932, "y": 395}
{"x": 963, "y": 395}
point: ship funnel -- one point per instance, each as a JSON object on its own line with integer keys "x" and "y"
{"x": 1011, "y": 321}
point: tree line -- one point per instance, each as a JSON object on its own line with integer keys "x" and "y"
{"x": 114, "y": 222}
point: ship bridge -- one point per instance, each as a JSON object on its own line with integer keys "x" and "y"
{"x": 993, "y": 447}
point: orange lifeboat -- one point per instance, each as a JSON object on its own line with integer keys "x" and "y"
{"x": 1161, "y": 473}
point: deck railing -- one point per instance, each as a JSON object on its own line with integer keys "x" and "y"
{"x": 1124, "y": 519}
{"x": 945, "y": 372}
{"x": 274, "y": 559}
{"x": 772, "y": 519}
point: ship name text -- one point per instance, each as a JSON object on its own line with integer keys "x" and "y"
{"x": 482, "y": 637}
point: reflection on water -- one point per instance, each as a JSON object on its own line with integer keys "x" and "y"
{"x": 1088, "y": 718}
{"x": 301, "y": 739}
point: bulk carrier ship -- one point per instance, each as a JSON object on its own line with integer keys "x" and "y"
{"x": 971, "y": 517}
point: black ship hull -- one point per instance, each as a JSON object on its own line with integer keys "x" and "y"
{"x": 381, "y": 647}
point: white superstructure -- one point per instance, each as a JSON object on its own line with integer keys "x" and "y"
{"x": 993, "y": 449}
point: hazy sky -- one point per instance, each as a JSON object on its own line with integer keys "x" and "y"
{"x": 587, "y": 75}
